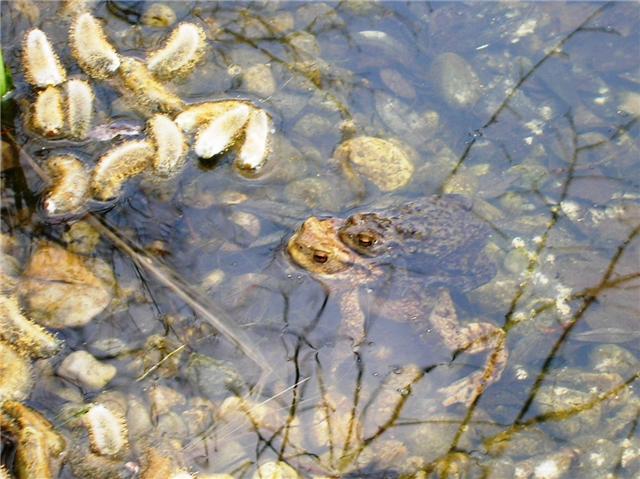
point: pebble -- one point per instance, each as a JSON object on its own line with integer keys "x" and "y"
{"x": 85, "y": 370}
{"x": 159, "y": 15}
{"x": 397, "y": 83}
{"x": 275, "y": 470}
{"x": 385, "y": 163}
{"x": 456, "y": 80}
{"x": 259, "y": 80}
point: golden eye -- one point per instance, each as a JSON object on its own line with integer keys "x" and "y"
{"x": 365, "y": 239}
{"x": 320, "y": 257}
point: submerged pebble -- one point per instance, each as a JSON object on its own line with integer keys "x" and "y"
{"x": 259, "y": 80}
{"x": 456, "y": 80}
{"x": 61, "y": 289}
{"x": 82, "y": 368}
{"x": 276, "y": 470}
{"x": 386, "y": 164}
{"x": 159, "y": 15}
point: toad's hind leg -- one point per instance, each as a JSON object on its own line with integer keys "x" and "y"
{"x": 472, "y": 338}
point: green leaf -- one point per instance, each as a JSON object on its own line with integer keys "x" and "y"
{"x": 6, "y": 84}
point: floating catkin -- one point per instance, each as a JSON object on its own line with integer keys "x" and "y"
{"x": 91, "y": 49}
{"x": 70, "y": 185}
{"x": 79, "y": 110}
{"x": 38, "y": 446}
{"x": 201, "y": 113}
{"x": 255, "y": 148}
{"x": 148, "y": 94}
{"x": 169, "y": 142}
{"x": 42, "y": 66}
{"x": 220, "y": 133}
{"x": 26, "y": 336}
{"x": 47, "y": 117}
{"x": 107, "y": 430}
{"x": 16, "y": 374}
{"x": 180, "y": 54}
{"x": 117, "y": 166}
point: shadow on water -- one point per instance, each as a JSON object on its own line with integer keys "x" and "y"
{"x": 249, "y": 352}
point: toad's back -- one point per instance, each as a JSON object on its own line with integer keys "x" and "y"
{"x": 436, "y": 238}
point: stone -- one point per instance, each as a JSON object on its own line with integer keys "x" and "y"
{"x": 83, "y": 369}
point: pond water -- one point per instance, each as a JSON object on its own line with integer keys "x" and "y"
{"x": 223, "y": 354}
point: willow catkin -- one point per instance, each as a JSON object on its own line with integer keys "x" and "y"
{"x": 91, "y": 49}
{"x": 41, "y": 65}
{"x": 220, "y": 133}
{"x": 181, "y": 52}
{"x": 117, "y": 166}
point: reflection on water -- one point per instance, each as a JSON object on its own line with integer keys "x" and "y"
{"x": 221, "y": 354}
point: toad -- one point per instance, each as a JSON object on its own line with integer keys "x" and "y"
{"x": 438, "y": 243}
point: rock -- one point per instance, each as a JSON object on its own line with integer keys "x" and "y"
{"x": 311, "y": 125}
{"x": 213, "y": 379}
{"x": 397, "y": 83}
{"x": 158, "y": 15}
{"x": 275, "y": 470}
{"x": 315, "y": 193}
{"x": 81, "y": 238}
{"x": 630, "y": 102}
{"x": 61, "y": 289}
{"x": 456, "y": 80}
{"x": 387, "y": 164}
{"x": 304, "y": 44}
{"x": 259, "y": 80}
{"x": 82, "y": 368}
{"x": 413, "y": 127}
{"x": 610, "y": 358}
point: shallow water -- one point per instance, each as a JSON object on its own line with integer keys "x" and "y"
{"x": 535, "y": 120}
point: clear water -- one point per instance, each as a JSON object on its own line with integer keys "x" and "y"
{"x": 548, "y": 150}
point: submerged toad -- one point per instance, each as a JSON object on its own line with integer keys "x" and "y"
{"x": 438, "y": 242}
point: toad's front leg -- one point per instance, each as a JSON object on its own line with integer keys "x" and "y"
{"x": 472, "y": 338}
{"x": 351, "y": 333}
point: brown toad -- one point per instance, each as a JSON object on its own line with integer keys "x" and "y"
{"x": 438, "y": 243}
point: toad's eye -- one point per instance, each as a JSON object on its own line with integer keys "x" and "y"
{"x": 320, "y": 257}
{"x": 365, "y": 239}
